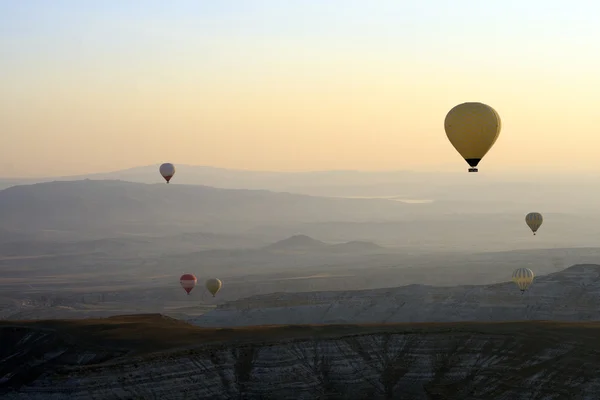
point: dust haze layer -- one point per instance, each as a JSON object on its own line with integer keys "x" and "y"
{"x": 529, "y": 187}
{"x": 78, "y": 210}
{"x": 96, "y": 248}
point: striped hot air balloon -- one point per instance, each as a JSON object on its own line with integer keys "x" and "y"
{"x": 188, "y": 282}
{"x": 534, "y": 221}
{"x": 523, "y": 277}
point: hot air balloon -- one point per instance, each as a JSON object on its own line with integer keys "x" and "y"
{"x": 188, "y": 282}
{"x": 167, "y": 170}
{"x": 214, "y": 285}
{"x": 534, "y": 221}
{"x": 523, "y": 277}
{"x": 472, "y": 128}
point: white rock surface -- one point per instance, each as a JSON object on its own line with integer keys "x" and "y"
{"x": 569, "y": 295}
{"x": 465, "y": 364}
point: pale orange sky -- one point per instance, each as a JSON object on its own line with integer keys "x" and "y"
{"x": 256, "y": 88}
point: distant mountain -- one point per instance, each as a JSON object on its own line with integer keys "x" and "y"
{"x": 304, "y": 242}
{"x": 297, "y": 242}
{"x": 117, "y": 207}
{"x": 247, "y": 179}
{"x": 357, "y": 246}
{"x": 452, "y": 186}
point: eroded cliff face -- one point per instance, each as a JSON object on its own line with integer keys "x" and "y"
{"x": 26, "y": 354}
{"x": 569, "y": 295}
{"x": 469, "y": 361}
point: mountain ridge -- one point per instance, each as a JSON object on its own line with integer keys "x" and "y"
{"x": 441, "y": 185}
{"x": 69, "y": 205}
{"x": 305, "y": 243}
{"x": 296, "y": 242}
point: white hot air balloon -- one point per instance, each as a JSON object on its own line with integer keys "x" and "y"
{"x": 167, "y": 170}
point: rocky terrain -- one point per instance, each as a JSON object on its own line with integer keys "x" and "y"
{"x": 155, "y": 357}
{"x": 569, "y": 295}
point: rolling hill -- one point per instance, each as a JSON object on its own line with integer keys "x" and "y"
{"x": 307, "y": 244}
{"x": 128, "y": 246}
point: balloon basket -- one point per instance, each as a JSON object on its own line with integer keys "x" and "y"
{"x": 473, "y": 169}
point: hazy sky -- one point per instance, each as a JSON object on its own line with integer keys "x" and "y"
{"x": 89, "y": 86}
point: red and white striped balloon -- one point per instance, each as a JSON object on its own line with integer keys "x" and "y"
{"x": 188, "y": 282}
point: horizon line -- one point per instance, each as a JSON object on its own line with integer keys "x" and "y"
{"x": 441, "y": 169}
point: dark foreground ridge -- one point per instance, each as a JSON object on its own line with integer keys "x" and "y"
{"x": 150, "y": 333}
{"x": 147, "y": 355}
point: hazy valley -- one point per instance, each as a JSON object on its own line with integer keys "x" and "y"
{"x": 91, "y": 247}
{"x": 99, "y": 248}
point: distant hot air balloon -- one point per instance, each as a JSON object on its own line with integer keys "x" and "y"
{"x": 167, "y": 170}
{"x": 188, "y": 282}
{"x": 523, "y": 277}
{"x": 534, "y": 221}
{"x": 214, "y": 285}
{"x": 472, "y": 128}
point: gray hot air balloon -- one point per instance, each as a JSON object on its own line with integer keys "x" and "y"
{"x": 167, "y": 170}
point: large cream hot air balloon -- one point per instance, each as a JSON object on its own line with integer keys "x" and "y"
{"x": 534, "y": 221}
{"x": 188, "y": 282}
{"x": 523, "y": 277}
{"x": 472, "y": 128}
{"x": 214, "y": 285}
{"x": 167, "y": 170}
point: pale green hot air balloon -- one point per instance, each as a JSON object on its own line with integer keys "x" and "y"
{"x": 214, "y": 285}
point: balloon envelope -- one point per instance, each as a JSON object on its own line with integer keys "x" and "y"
{"x": 188, "y": 282}
{"x": 167, "y": 170}
{"x": 214, "y": 285}
{"x": 534, "y": 221}
{"x": 523, "y": 277}
{"x": 472, "y": 128}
